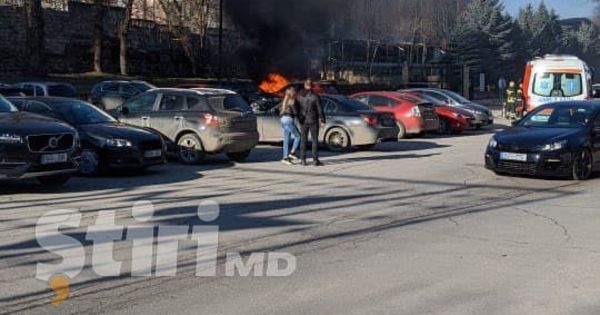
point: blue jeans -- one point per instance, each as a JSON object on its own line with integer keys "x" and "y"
{"x": 289, "y": 128}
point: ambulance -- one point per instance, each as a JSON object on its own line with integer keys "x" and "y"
{"x": 555, "y": 78}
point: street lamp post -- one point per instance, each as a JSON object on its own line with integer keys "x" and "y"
{"x": 220, "y": 50}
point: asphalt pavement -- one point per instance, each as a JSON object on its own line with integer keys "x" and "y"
{"x": 415, "y": 227}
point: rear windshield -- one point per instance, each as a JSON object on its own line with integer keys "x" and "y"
{"x": 229, "y": 102}
{"x": 552, "y": 84}
{"x": 62, "y": 90}
{"x": 6, "y": 106}
{"x": 143, "y": 86}
{"x": 350, "y": 105}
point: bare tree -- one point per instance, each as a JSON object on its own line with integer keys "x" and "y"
{"x": 123, "y": 32}
{"x": 34, "y": 48}
{"x": 98, "y": 36}
{"x": 185, "y": 18}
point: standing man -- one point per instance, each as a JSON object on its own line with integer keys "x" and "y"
{"x": 311, "y": 117}
{"x": 511, "y": 100}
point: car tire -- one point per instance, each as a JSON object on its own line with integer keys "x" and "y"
{"x": 401, "y": 131}
{"x": 582, "y": 165}
{"x": 337, "y": 140}
{"x": 238, "y": 157}
{"x": 444, "y": 127}
{"x": 54, "y": 180}
{"x": 90, "y": 163}
{"x": 190, "y": 149}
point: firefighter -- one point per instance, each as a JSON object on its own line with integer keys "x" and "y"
{"x": 511, "y": 100}
{"x": 520, "y": 108}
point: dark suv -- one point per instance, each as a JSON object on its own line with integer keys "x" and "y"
{"x": 199, "y": 121}
{"x": 110, "y": 94}
{"x": 33, "y": 146}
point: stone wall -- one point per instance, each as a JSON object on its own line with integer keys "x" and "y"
{"x": 68, "y": 44}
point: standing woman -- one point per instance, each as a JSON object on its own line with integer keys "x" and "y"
{"x": 288, "y": 112}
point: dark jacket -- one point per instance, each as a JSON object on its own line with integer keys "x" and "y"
{"x": 309, "y": 108}
{"x": 291, "y": 111}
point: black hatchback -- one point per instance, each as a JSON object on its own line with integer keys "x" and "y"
{"x": 559, "y": 139}
{"x": 105, "y": 142}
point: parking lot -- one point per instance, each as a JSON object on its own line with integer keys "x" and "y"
{"x": 417, "y": 226}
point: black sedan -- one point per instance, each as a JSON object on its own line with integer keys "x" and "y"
{"x": 33, "y": 146}
{"x": 105, "y": 142}
{"x": 560, "y": 139}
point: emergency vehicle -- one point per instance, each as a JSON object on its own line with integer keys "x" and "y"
{"x": 556, "y": 78}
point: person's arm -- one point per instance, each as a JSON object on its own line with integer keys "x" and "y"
{"x": 320, "y": 110}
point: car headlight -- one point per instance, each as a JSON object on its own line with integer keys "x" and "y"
{"x": 556, "y": 146}
{"x": 10, "y": 138}
{"x": 493, "y": 143}
{"x": 118, "y": 143}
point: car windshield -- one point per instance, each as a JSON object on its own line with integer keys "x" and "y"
{"x": 229, "y": 102}
{"x": 80, "y": 113}
{"x": 6, "y": 106}
{"x": 143, "y": 86}
{"x": 557, "y": 84}
{"x": 62, "y": 90}
{"x": 558, "y": 117}
{"x": 457, "y": 97}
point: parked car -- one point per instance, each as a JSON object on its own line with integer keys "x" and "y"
{"x": 349, "y": 123}
{"x": 413, "y": 117}
{"x": 110, "y": 94}
{"x": 452, "y": 119}
{"x": 558, "y": 139}
{"x": 105, "y": 142}
{"x": 483, "y": 116}
{"x": 33, "y": 146}
{"x": 57, "y": 89}
{"x": 199, "y": 121}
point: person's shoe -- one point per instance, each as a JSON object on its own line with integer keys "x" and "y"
{"x": 316, "y": 162}
{"x": 303, "y": 163}
{"x": 287, "y": 161}
{"x": 293, "y": 157}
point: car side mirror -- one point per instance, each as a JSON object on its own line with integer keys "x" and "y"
{"x": 124, "y": 110}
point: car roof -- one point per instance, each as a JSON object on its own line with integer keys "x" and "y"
{"x": 48, "y": 83}
{"x": 122, "y": 81}
{"x": 45, "y": 99}
{"x": 197, "y": 91}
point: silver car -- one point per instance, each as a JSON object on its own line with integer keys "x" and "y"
{"x": 349, "y": 123}
{"x": 483, "y": 116}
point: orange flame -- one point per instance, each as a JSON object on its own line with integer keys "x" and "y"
{"x": 274, "y": 83}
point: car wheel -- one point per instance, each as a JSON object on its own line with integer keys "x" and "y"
{"x": 190, "y": 149}
{"x": 337, "y": 140}
{"x": 401, "y": 131}
{"x": 582, "y": 165}
{"x": 444, "y": 127}
{"x": 238, "y": 157}
{"x": 90, "y": 163}
{"x": 55, "y": 180}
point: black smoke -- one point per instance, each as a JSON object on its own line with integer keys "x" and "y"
{"x": 282, "y": 35}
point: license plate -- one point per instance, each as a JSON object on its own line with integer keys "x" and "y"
{"x": 153, "y": 154}
{"x": 54, "y": 158}
{"x": 513, "y": 157}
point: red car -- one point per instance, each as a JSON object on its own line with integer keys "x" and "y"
{"x": 412, "y": 115}
{"x": 452, "y": 119}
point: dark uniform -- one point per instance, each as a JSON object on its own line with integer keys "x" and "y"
{"x": 310, "y": 115}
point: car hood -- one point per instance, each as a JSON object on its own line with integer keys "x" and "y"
{"x": 23, "y": 123}
{"x": 117, "y": 130}
{"x": 536, "y": 136}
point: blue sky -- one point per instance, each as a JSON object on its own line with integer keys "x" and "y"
{"x": 565, "y": 8}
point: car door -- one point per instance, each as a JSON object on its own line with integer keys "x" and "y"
{"x": 169, "y": 116}
{"x": 595, "y": 138}
{"x": 137, "y": 111}
{"x": 269, "y": 125}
